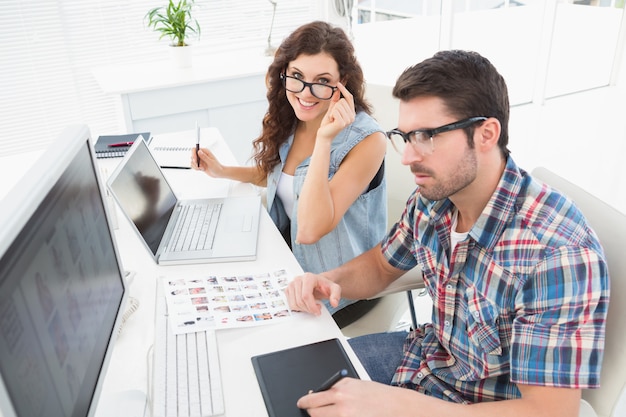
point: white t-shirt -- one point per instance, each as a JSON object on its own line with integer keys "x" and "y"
{"x": 456, "y": 237}
{"x": 284, "y": 191}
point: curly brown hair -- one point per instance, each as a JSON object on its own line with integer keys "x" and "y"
{"x": 280, "y": 119}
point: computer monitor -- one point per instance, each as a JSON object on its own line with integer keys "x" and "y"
{"x": 61, "y": 284}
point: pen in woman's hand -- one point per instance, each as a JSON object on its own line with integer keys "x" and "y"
{"x": 197, "y": 143}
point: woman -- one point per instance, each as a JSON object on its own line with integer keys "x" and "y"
{"x": 320, "y": 153}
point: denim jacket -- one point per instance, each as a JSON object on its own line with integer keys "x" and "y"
{"x": 362, "y": 226}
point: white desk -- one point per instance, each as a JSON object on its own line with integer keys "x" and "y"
{"x": 128, "y": 372}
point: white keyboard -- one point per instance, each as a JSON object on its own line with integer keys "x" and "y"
{"x": 196, "y": 226}
{"x": 186, "y": 370}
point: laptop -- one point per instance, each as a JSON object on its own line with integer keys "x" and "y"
{"x": 179, "y": 231}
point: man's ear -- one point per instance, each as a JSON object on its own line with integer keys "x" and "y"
{"x": 488, "y": 133}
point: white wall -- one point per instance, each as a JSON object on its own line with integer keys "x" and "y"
{"x": 581, "y": 137}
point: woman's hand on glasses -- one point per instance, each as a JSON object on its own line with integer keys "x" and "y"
{"x": 339, "y": 115}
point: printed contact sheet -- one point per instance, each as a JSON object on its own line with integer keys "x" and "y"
{"x": 197, "y": 303}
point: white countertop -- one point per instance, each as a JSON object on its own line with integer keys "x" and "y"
{"x": 129, "y": 78}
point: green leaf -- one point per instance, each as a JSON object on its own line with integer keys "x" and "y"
{"x": 174, "y": 21}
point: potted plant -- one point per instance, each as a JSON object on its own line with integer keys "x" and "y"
{"x": 175, "y": 22}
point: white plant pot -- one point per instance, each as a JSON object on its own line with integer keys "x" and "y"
{"x": 181, "y": 56}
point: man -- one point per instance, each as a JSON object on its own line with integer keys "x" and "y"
{"x": 518, "y": 279}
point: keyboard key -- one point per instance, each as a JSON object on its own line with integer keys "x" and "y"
{"x": 187, "y": 379}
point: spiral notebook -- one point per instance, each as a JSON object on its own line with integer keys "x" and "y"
{"x": 116, "y": 146}
{"x": 173, "y": 150}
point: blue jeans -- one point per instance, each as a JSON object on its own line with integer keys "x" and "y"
{"x": 380, "y": 353}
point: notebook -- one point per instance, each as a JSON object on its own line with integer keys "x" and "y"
{"x": 187, "y": 380}
{"x": 173, "y": 150}
{"x": 115, "y": 146}
{"x": 183, "y": 231}
{"x": 286, "y": 375}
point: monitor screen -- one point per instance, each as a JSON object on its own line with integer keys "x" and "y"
{"x": 143, "y": 192}
{"x": 61, "y": 285}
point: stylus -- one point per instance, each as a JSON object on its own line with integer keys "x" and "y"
{"x": 342, "y": 373}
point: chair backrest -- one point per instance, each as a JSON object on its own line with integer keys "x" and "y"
{"x": 610, "y": 225}
{"x": 400, "y": 182}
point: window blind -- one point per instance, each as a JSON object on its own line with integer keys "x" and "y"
{"x": 49, "y": 47}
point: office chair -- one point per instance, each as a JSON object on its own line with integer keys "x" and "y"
{"x": 610, "y": 225}
{"x": 397, "y": 299}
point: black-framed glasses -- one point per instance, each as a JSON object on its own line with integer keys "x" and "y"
{"x": 296, "y": 85}
{"x": 422, "y": 139}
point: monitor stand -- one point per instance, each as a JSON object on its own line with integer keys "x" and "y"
{"x": 131, "y": 403}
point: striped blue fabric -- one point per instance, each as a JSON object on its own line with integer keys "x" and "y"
{"x": 522, "y": 300}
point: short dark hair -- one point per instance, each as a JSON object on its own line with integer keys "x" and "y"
{"x": 468, "y": 84}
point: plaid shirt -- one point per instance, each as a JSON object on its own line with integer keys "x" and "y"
{"x": 522, "y": 300}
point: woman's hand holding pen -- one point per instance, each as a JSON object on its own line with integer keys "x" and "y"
{"x": 207, "y": 163}
{"x": 214, "y": 168}
{"x": 340, "y": 114}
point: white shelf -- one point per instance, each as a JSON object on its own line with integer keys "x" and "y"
{"x": 124, "y": 79}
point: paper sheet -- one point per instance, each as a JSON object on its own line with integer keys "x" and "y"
{"x": 174, "y": 150}
{"x": 197, "y": 303}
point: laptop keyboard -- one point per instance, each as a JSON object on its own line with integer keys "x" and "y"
{"x": 187, "y": 380}
{"x": 195, "y": 229}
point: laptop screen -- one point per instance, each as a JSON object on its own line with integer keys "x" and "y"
{"x": 144, "y": 194}
{"x": 61, "y": 286}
